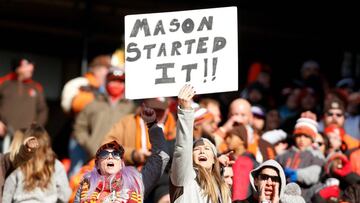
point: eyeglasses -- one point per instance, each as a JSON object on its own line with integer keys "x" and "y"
{"x": 104, "y": 154}
{"x": 266, "y": 177}
{"x": 336, "y": 114}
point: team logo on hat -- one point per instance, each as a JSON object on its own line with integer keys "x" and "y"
{"x": 335, "y": 105}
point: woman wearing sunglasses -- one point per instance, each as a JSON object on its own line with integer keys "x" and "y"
{"x": 112, "y": 181}
{"x": 268, "y": 182}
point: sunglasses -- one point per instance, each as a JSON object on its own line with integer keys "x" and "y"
{"x": 104, "y": 154}
{"x": 336, "y": 114}
{"x": 266, "y": 177}
{"x": 319, "y": 143}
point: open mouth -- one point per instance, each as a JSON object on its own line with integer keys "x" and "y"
{"x": 110, "y": 164}
{"x": 268, "y": 191}
{"x": 202, "y": 158}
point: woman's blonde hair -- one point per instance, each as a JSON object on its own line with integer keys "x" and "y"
{"x": 213, "y": 183}
{"x": 38, "y": 170}
{"x": 16, "y": 143}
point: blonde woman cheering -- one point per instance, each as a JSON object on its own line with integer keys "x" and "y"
{"x": 195, "y": 171}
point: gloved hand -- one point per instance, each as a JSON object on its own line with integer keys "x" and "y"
{"x": 331, "y": 191}
{"x": 345, "y": 169}
{"x": 291, "y": 174}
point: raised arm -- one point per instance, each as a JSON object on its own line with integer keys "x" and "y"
{"x": 182, "y": 164}
{"x": 26, "y": 152}
{"x": 156, "y": 163}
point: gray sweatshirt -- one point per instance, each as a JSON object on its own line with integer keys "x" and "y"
{"x": 57, "y": 191}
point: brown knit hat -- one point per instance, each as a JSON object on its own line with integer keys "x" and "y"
{"x": 157, "y": 103}
{"x": 101, "y": 60}
{"x": 334, "y": 103}
{"x": 240, "y": 131}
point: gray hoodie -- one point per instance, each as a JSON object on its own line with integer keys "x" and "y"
{"x": 273, "y": 164}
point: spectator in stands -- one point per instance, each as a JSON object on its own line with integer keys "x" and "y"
{"x": 80, "y": 91}
{"x": 337, "y": 177}
{"x": 334, "y": 113}
{"x": 204, "y": 124}
{"x": 213, "y": 107}
{"x": 76, "y": 94}
{"x": 278, "y": 138}
{"x": 111, "y": 180}
{"x": 22, "y": 100}
{"x": 228, "y": 175}
{"x": 322, "y": 143}
{"x": 98, "y": 117}
{"x": 291, "y": 106}
{"x": 258, "y": 123}
{"x": 272, "y": 120}
{"x": 237, "y": 142}
{"x": 9, "y": 162}
{"x": 352, "y": 120}
{"x": 42, "y": 178}
{"x": 302, "y": 164}
{"x": 131, "y": 132}
{"x": 268, "y": 182}
{"x": 195, "y": 171}
{"x": 240, "y": 112}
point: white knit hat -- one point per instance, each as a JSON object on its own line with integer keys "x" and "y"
{"x": 274, "y": 136}
{"x": 292, "y": 194}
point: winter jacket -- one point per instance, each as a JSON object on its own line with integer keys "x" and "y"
{"x": 79, "y": 92}
{"x": 307, "y": 164}
{"x": 154, "y": 166}
{"x": 131, "y": 132}
{"x": 183, "y": 186}
{"x": 96, "y": 120}
{"x": 21, "y": 102}
{"x": 351, "y": 143}
{"x": 241, "y": 188}
{"x": 261, "y": 149}
{"x": 354, "y": 158}
{"x": 57, "y": 191}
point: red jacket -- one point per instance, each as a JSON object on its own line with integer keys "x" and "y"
{"x": 241, "y": 181}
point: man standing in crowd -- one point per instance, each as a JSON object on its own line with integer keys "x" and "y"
{"x": 334, "y": 113}
{"x": 97, "y": 118}
{"x": 22, "y": 100}
{"x": 80, "y": 91}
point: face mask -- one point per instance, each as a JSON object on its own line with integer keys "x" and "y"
{"x": 115, "y": 90}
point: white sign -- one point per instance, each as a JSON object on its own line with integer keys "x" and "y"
{"x": 164, "y": 51}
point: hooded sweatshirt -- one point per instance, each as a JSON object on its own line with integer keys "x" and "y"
{"x": 269, "y": 163}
